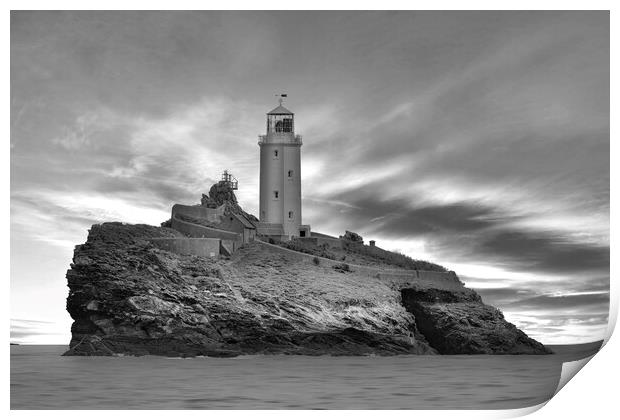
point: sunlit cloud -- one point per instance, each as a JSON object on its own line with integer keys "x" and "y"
{"x": 469, "y": 155}
{"x": 26, "y": 331}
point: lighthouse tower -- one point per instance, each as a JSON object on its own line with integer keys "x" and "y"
{"x": 280, "y": 177}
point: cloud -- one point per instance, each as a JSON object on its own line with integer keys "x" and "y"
{"x": 27, "y": 331}
{"x": 575, "y": 303}
{"x": 472, "y": 232}
{"x": 478, "y": 140}
{"x": 530, "y": 300}
{"x": 541, "y": 252}
{"x": 559, "y": 329}
{"x": 62, "y": 219}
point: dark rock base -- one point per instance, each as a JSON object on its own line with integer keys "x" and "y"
{"x": 458, "y": 323}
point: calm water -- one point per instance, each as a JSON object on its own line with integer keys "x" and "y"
{"x": 42, "y": 379}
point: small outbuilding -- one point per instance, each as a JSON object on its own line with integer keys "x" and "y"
{"x": 245, "y": 227}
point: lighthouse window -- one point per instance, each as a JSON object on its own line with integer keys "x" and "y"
{"x": 285, "y": 125}
{"x": 290, "y": 214}
{"x": 290, "y": 174}
{"x": 275, "y": 153}
{"x": 276, "y": 194}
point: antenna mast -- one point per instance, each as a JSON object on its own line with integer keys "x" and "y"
{"x": 280, "y": 97}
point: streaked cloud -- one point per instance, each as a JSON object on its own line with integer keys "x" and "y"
{"x": 27, "y": 331}
{"x": 477, "y": 140}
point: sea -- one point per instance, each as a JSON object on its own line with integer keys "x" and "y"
{"x": 43, "y": 379}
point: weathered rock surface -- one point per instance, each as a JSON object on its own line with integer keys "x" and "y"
{"x": 221, "y": 193}
{"x": 353, "y": 237}
{"x": 127, "y": 297}
{"x": 457, "y": 322}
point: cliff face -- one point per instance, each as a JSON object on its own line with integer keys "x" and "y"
{"x": 457, "y": 322}
{"x": 127, "y": 297}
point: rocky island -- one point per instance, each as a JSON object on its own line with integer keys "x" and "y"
{"x": 215, "y": 280}
{"x": 131, "y": 295}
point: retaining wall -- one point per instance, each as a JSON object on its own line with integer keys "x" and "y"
{"x": 332, "y": 243}
{"x": 202, "y": 247}
{"x": 199, "y": 212}
{"x": 199, "y": 231}
{"x": 371, "y": 250}
{"x": 440, "y": 279}
{"x": 321, "y": 235}
{"x": 321, "y": 238}
{"x": 396, "y": 276}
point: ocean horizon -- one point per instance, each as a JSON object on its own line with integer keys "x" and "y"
{"x": 41, "y": 378}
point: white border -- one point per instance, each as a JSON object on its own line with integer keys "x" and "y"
{"x": 592, "y": 395}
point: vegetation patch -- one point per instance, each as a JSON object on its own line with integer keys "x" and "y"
{"x": 390, "y": 257}
{"x": 342, "y": 267}
{"x": 307, "y": 248}
{"x": 355, "y": 252}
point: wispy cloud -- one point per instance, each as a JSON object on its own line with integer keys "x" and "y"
{"x": 479, "y": 140}
{"x": 27, "y": 331}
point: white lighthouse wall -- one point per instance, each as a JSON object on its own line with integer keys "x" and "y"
{"x": 292, "y": 190}
{"x": 271, "y": 169}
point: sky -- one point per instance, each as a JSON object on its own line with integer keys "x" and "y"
{"x": 476, "y": 140}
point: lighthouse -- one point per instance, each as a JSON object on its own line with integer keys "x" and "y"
{"x": 280, "y": 177}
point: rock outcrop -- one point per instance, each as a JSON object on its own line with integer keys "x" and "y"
{"x": 127, "y": 297}
{"x": 353, "y": 237}
{"x": 457, "y": 322}
{"x": 221, "y": 193}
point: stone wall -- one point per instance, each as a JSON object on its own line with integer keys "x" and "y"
{"x": 333, "y": 243}
{"x": 199, "y": 212}
{"x": 398, "y": 277}
{"x": 202, "y": 247}
{"x": 372, "y": 250}
{"x": 197, "y": 231}
{"x": 447, "y": 280}
{"x": 321, "y": 239}
{"x": 230, "y": 227}
{"x": 330, "y": 242}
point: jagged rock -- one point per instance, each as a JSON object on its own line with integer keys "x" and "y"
{"x": 353, "y": 237}
{"x": 127, "y": 297}
{"x": 208, "y": 202}
{"x": 221, "y": 193}
{"x": 459, "y": 323}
